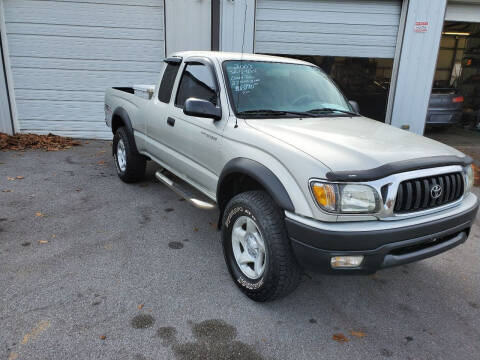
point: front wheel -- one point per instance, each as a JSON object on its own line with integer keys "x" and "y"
{"x": 129, "y": 164}
{"x": 256, "y": 247}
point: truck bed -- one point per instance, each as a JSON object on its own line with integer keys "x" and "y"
{"x": 128, "y": 98}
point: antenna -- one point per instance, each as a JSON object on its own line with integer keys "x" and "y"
{"x": 241, "y": 60}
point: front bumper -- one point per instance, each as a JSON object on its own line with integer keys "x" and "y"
{"x": 314, "y": 247}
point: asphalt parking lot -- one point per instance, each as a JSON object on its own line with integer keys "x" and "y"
{"x": 92, "y": 268}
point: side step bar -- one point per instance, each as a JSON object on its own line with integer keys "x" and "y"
{"x": 193, "y": 197}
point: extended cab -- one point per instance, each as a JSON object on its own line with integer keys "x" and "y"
{"x": 299, "y": 178}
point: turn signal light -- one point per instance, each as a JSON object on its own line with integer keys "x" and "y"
{"x": 325, "y": 194}
{"x": 458, "y": 99}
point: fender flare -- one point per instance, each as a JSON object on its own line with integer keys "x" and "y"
{"x": 262, "y": 175}
{"x": 123, "y": 115}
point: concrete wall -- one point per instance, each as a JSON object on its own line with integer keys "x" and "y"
{"x": 417, "y": 64}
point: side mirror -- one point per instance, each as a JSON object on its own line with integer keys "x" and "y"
{"x": 202, "y": 108}
{"x": 355, "y": 106}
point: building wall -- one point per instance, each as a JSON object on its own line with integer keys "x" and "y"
{"x": 64, "y": 54}
{"x": 417, "y": 63}
{"x": 237, "y": 24}
{"x": 5, "y": 115}
{"x": 187, "y": 25}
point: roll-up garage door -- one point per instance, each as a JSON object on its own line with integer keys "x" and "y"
{"x": 352, "y": 28}
{"x": 64, "y": 54}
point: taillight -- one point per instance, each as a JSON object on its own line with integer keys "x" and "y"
{"x": 457, "y": 99}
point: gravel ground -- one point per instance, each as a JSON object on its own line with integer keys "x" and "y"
{"x": 92, "y": 268}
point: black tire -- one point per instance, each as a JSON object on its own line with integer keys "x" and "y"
{"x": 134, "y": 169}
{"x": 282, "y": 273}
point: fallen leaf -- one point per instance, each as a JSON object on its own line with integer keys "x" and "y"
{"x": 13, "y": 356}
{"x": 358, "y": 334}
{"x": 39, "y": 328}
{"x": 6, "y": 190}
{"x": 9, "y": 178}
{"x": 101, "y": 162}
{"x": 195, "y": 229}
{"x": 48, "y": 142}
{"x": 43, "y": 241}
{"x": 54, "y": 236}
{"x": 39, "y": 214}
{"x": 20, "y": 177}
{"x": 340, "y": 337}
{"x": 140, "y": 307}
{"x": 103, "y": 337}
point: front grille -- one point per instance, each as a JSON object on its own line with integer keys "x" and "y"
{"x": 428, "y": 192}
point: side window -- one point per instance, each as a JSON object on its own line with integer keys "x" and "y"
{"x": 166, "y": 86}
{"x": 197, "y": 81}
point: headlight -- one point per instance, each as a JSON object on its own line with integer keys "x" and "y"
{"x": 469, "y": 178}
{"x": 348, "y": 198}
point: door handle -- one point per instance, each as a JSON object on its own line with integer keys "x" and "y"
{"x": 171, "y": 121}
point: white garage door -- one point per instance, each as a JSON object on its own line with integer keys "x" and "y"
{"x": 354, "y": 28}
{"x": 463, "y": 12}
{"x": 64, "y": 54}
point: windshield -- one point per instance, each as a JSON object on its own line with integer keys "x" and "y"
{"x": 266, "y": 89}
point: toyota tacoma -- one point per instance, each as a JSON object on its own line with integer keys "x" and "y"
{"x": 300, "y": 179}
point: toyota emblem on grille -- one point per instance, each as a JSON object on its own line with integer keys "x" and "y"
{"x": 436, "y": 191}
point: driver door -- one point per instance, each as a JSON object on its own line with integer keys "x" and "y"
{"x": 195, "y": 140}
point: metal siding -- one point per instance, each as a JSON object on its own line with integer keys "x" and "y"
{"x": 64, "y": 55}
{"x": 5, "y": 116}
{"x": 188, "y": 25}
{"x": 323, "y": 27}
{"x": 237, "y": 25}
{"x": 463, "y": 12}
{"x": 417, "y": 64}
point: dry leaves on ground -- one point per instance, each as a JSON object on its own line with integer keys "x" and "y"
{"x": 39, "y": 214}
{"x": 43, "y": 241}
{"x": 140, "y": 307}
{"x": 358, "y": 334}
{"x": 48, "y": 142}
{"x": 340, "y": 337}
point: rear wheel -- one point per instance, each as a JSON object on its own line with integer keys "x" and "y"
{"x": 256, "y": 247}
{"x": 130, "y": 165}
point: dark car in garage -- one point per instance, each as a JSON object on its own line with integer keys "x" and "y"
{"x": 445, "y": 107}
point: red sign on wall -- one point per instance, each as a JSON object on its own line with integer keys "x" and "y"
{"x": 421, "y": 26}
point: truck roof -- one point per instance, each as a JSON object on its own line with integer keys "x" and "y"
{"x": 222, "y": 56}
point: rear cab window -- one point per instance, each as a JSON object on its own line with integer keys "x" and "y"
{"x": 168, "y": 79}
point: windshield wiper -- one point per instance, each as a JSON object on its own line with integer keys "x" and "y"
{"x": 330, "y": 110}
{"x": 275, "y": 112}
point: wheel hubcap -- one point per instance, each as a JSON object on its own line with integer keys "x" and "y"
{"x": 248, "y": 247}
{"x": 121, "y": 155}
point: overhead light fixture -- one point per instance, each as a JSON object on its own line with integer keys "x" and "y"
{"x": 456, "y": 33}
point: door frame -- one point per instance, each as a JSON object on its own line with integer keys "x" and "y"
{"x": 5, "y": 62}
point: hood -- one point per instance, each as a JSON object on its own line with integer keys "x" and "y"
{"x": 345, "y": 144}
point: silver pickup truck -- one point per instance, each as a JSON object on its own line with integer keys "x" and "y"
{"x": 300, "y": 179}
